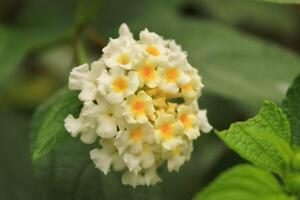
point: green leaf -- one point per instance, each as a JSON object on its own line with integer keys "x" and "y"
{"x": 263, "y": 140}
{"x": 67, "y": 173}
{"x": 275, "y": 19}
{"x": 16, "y": 175}
{"x": 282, "y": 1}
{"x": 35, "y": 28}
{"x": 291, "y": 106}
{"x": 48, "y": 130}
{"x": 244, "y": 182}
{"x": 232, "y": 64}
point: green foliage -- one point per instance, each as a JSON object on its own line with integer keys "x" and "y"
{"x": 16, "y": 175}
{"x": 263, "y": 140}
{"x": 67, "y": 173}
{"x": 248, "y": 14}
{"x": 48, "y": 129}
{"x": 15, "y": 45}
{"x": 291, "y": 106}
{"x": 232, "y": 64}
{"x": 282, "y": 1}
{"x": 244, "y": 182}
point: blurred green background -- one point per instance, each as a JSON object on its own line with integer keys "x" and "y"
{"x": 246, "y": 51}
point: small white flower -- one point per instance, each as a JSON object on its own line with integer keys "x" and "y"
{"x": 177, "y": 157}
{"x": 84, "y": 79}
{"x": 189, "y": 121}
{"x": 138, "y": 108}
{"x": 148, "y": 74}
{"x": 106, "y": 157}
{"x": 86, "y": 126}
{"x": 140, "y": 101}
{"x": 193, "y": 88}
{"x": 115, "y": 85}
{"x": 174, "y": 76}
{"x": 152, "y": 44}
{"x": 204, "y": 125}
{"x": 168, "y": 131}
{"x": 122, "y": 52}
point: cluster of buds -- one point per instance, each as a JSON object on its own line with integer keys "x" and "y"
{"x": 140, "y": 104}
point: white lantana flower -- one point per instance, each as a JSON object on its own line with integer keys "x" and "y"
{"x": 140, "y": 101}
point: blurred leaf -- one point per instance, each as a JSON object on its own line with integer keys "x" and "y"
{"x": 244, "y": 182}
{"x": 263, "y": 140}
{"x": 16, "y": 174}
{"x": 271, "y": 18}
{"x": 86, "y": 11}
{"x": 232, "y": 64}
{"x": 67, "y": 173}
{"x": 282, "y": 1}
{"x": 291, "y": 106}
{"x": 16, "y": 43}
{"x": 51, "y": 132}
{"x": 34, "y": 28}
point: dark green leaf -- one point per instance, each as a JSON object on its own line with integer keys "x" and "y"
{"x": 48, "y": 129}
{"x": 232, "y": 64}
{"x": 291, "y": 106}
{"x": 263, "y": 17}
{"x": 263, "y": 140}
{"x": 67, "y": 173}
{"x": 244, "y": 182}
{"x": 282, "y": 1}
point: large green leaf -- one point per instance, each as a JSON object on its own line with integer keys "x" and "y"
{"x": 232, "y": 64}
{"x": 257, "y": 16}
{"x": 48, "y": 129}
{"x": 244, "y": 182}
{"x": 291, "y": 106}
{"x": 263, "y": 140}
{"x": 67, "y": 173}
{"x": 16, "y": 174}
{"x": 34, "y": 28}
{"x": 282, "y": 1}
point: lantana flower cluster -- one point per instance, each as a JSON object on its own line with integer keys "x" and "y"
{"x": 140, "y": 104}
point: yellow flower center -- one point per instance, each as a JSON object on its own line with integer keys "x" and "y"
{"x": 120, "y": 85}
{"x": 152, "y": 50}
{"x": 185, "y": 120}
{"x": 124, "y": 59}
{"x": 171, "y": 74}
{"x": 187, "y": 86}
{"x": 137, "y": 135}
{"x": 138, "y": 106}
{"x": 166, "y": 130}
{"x": 147, "y": 72}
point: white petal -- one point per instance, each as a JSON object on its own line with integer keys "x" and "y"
{"x": 73, "y": 126}
{"x": 102, "y": 160}
{"x": 171, "y": 143}
{"x": 151, "y": 177}
{"x": 88, "y": 136}
{"x": 148, "y": 160}
{"x": 132, "y": 162}
{"x": 204, "y": 124}
{"x": 122, "y": 141}
{"x": 107, "y": 127}
{"x": 132, "y": 179}
{"x": 114, "y": 97}
{"x": 77, "y": 76}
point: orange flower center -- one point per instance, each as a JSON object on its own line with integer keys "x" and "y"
{"x": 152, "y": 50}
{"x": 185, "y": 120}
{"x": 120, "y": 85}
{"x": 166, "y": 131}
{"x": 172, "y": 74}
{"x": 139, "y": 106}
{"x": 123, "y": 59}
{"x": 137, "y": 135}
